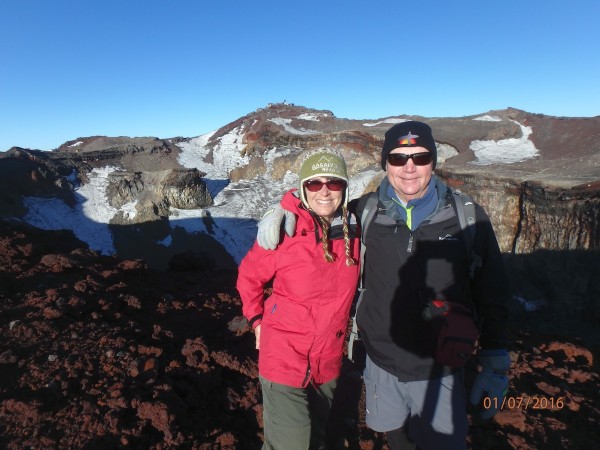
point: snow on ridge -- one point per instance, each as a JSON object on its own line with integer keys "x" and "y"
{"x": 226, "y": 155}
{"x": 390, "y": 120}
{"x": 193, "y": 153}
{"x": 505, "y": 151}
{"x": 272, "y": 154}
{"x": 311, "y": 116}
{"x": 285, "y": 123}
{"x": 232, "y": 219}
{"x": 129, "y": 210}
{"x": 96, "y": 205}
{"x": 488, "y": 118}
{"x": 76, "y": 144}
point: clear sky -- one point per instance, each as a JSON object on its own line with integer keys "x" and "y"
{"x": 77, "y": 68}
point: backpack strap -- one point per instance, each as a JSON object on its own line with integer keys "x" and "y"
{"x": 465, "y": 210}
{"x": 366, "y": 218}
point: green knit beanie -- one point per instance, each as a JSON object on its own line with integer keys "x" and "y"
{"x": 322, "y": 163}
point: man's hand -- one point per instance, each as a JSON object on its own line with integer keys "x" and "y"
{"x": 270, "y": 226}
{"x": 257, "y": 336}
{"x": 492, "y": 380}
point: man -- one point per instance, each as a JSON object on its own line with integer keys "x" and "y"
{"x": 415, "y": 255}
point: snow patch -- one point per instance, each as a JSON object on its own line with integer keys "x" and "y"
{"x": 232, "y": 219}
{"x": 390, "y": 120}
{"x": 505, "y": 151}
{"x": 311, "y": 116}
{"x": 96, "y": 206}
{"x": 129, "y": 210}
{"x": 72, "y": 178}
{"x": 54, "y": 214}
{"x": 444, "y": 152}
{"x": 272, "y": 154}
{"x": 285, "y": 123}
{"x": 488, "y": 118}
{"x": 193, "y": 153}
{"x": 166, "y": 242}
{"x": 226, "y": 154}
{"x": 88, "y": 219}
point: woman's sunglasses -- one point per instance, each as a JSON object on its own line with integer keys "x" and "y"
{"x": 333, "y": 185}
{"x": 400, "y": 159}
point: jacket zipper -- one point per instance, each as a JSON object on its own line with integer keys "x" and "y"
{"x": 410, "y": 243}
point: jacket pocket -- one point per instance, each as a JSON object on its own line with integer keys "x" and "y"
{"x": 286, "y": 316}
{"x": 333, "y": 347}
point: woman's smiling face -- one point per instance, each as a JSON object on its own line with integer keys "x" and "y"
{"x": 324, "y": 202}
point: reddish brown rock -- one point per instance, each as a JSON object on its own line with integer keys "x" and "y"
{"x": 103, "y": 353}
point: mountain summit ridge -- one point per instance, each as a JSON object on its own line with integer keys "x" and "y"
{"x": 509, "y": 160}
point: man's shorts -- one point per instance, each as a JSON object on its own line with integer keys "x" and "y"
{"x": 434, "y": 410}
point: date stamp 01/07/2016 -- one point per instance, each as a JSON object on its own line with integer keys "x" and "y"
{"x": 525, "y": 402}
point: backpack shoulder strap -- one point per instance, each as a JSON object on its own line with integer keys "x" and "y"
{"x": 366, "y": 217}
{"x": 465, "y": 210}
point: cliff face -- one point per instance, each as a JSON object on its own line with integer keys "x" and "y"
{"x": 566, "y": 219}
{"x": 148, "y": 193}
{"x": 530, "y": 216}
{"x": 28, "y": 173}
{"x": 152, "y": 194}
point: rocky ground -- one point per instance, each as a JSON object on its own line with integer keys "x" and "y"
{"x": 101, "y": 353}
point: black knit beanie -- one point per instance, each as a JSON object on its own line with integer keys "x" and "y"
{"x": 408, "y": 134}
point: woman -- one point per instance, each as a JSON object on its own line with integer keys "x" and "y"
{"x": 300, "y": 329}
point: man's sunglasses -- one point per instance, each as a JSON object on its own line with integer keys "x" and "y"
{"x": 333, "y": 185}
{"x": 400, "y": 159}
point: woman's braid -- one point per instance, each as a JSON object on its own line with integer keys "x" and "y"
{"x": 350, "y": 261}
{"x": 324, "y": 239}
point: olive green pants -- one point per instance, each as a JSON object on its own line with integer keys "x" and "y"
{"x": 295, "y": 418}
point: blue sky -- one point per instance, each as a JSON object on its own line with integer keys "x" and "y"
{"x": 77, "y": 68}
